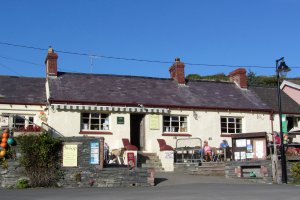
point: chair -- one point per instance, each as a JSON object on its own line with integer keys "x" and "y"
{"x": 129, "y": 146}
{"x": 163, "y": 146}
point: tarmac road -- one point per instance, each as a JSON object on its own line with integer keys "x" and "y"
{"x": 171, "y": 186}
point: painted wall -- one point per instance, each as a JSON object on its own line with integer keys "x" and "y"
{"x": 68, "y": 124}
{"x": 206, "y": 126}
{"x": 293, "y": 93}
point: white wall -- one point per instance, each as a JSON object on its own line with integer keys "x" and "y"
{"x": 68, "y": 124}
{"x": 206, "y": 126}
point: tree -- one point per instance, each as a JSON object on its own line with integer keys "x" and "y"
{"x": 193, "y": 77}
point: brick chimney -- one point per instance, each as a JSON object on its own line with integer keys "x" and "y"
{"x": 239, "y": 77}
{"x": 51, "y": 63}
{"x": 177, "y": 71}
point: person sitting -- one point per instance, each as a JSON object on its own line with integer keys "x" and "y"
{"x": 207, "y": 151}
{"x": 224, "y": 149}
{"x": 224, "y": 144}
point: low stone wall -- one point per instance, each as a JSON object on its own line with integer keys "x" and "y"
{"x": 243, "y": 170}
{"x": 10, "y": 175}
{"x": 108, "y": 177}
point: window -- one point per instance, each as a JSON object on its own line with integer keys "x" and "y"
{"x": 19, "y": 122}
{"x": 24, "y": 123}
{"x": 231, "y": 125}
{"x": 175, "y": 124}
{"x": 94, "y": 121}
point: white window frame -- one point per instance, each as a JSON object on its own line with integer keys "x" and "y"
{"x": 231, "y": 124}
{"x": 169, "y": 124}
{"x": 94, "y": 119}
{"x": 29, "y": 120}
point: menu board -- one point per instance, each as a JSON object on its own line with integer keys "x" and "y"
{"x": 154, "y": 122}
{"x": 70, "y": 155}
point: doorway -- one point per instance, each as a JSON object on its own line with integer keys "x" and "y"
{"x": 137, "y": 130}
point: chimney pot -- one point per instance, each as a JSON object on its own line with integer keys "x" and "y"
{"x": 239, "y": 77}
{"x": 51, "y": 63}
{"x": 177, "y": 71}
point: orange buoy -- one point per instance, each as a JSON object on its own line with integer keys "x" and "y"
{"x": 4, "y": 140}
{"x": 3, "y": 145}
{"x": 2, "y": 153}
{"x": 4, "y": 135}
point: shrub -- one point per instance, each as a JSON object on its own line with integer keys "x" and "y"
{"x": 295, "y": 169}
{"x": 22, "y": 183}
{"x": 40, "y": 158}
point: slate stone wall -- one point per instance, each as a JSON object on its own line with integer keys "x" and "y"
{"x": 242, "y": 170}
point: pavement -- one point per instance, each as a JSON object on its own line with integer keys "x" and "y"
{"x": 177, "y": 178}
{"x": 170, "y": 186}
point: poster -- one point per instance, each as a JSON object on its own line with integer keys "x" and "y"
{"x": 249, "y": 148}
{"x": 237, "y": 156}
{"x": 243, "y": 155}
{"x": 259, "y": 150}
{"x": 241, "y": 143}
{"x": 3, "y": 121}
{"x": 94, "y": 153}
{"x": 154, "y": 122}
{"x": 250, "y": 155}
{"x": 70, "y": 155}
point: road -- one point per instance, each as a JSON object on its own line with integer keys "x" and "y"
{"x": 170, "y": 186}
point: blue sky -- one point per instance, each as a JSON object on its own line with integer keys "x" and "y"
{"x": 224, "y": 32}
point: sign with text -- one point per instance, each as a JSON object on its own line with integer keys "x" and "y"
{"x": 94, "y": 153}
{"x": 154, "y": 122}
{"x": 130, "y": 159}
{"x": 70, "y": 155}
{"x": 120, "y": 120}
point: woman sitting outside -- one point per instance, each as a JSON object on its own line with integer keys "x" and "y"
{"x": 207, "y": 151}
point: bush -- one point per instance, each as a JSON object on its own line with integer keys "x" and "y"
{"x": 22, "y": 183}
{"x": 40, "y": 158}
{"x": 296, "y": 171}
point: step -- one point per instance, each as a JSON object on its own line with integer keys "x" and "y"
{"x": 150, "y": 160}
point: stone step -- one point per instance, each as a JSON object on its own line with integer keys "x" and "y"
{"x": 150, "y": 160}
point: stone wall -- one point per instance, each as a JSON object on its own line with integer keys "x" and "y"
{"x": 85, "y": 174}
{"x": 243, "y": 170}
{"x": 108, "y": 177}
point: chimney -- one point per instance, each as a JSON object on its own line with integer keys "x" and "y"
{"x": 51, "y": 63}
{"x": 177, "y": 71}
{"x": 239, "y": 77}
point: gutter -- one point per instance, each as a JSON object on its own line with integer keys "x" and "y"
{"x": 51, "y": 101}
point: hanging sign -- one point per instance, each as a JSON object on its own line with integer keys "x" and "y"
{"x": 154, "y": 122}
{"x": 120, "y": 120}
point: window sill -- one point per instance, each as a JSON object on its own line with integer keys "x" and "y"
{"x": 226, "y": 134}
{"x": 177, "y": 134}
{"x": 96, "y": 132}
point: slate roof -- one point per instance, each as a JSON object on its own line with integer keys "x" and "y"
{"x": 22, "y": 90}
{"x": 296, "y": 81}
{"x": 269, "y": 96}
{"x": 160, "y": 92}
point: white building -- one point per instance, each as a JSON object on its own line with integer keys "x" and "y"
{"x": 143, "y": 109}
